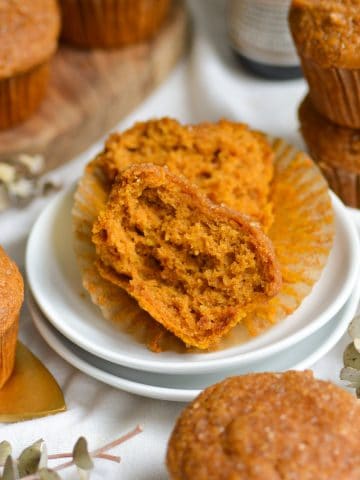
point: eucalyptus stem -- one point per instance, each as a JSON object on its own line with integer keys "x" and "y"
{"x": 104, "y": 456}
{"x": 98, "y": 453}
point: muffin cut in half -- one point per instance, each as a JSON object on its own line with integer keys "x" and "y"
{"x": 194, "y": 266}
{"x": 228, "y": 161}
{"x": 268, "y": 426}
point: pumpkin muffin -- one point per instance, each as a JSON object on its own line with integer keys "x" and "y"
{"x": 229, "y": 162}
{"x": 335, "y": 149}
{"x": 111, "y": 23}
{"x": 327, "y": 37}
{"x": 192, "y": 265}
{"x": 11, "y": 299}
{"x": 28, "y": 39}
{"x": 268, "y": 426}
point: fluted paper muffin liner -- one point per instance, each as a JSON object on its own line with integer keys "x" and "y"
{"x": 22, "y": 94}
{"x": 335, "y": 149}
{"x": 335, "y": 92}
{"x": 302, "y": 234}
{"x": 111, "y": 23}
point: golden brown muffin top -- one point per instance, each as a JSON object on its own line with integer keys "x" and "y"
{"x": 327, "y": 31}
{"x": 28, "y": 34}
{"x": 273, "y": 426}
{"x": 11, "y": 291}
{"x": 327, "y": 142}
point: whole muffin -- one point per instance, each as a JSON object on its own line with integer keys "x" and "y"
{"x": 335, "y": 149}
{"x": 11, "y": 299}
{"x": 268, "y": 426}
{"x": 111, "y": 23}
{"x": 28, "y": 39}
{"x": 327, "y": 37}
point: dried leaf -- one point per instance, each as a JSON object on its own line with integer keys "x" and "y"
{"x": 81, "y": 455}
{"x": 10, "y": 470}
{"x": 354, "y": 328}
{"x": 351, "y": 357}
{"x": 48, "y": 474}
{"x": 32, "y": 458}
{"x": 5, "y": 451}
{"x": 351, "y": 375}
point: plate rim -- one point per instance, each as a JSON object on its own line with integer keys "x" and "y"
{"x": 199, "y": 366}
{"x": 170, "y": 393}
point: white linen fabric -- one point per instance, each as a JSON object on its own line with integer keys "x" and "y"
{"x": 207, "y": 85}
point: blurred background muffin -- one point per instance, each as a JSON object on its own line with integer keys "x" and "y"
{"x": 335, "y": 149}
{"x": 111, "y": 23}
{"x": 28, "y": 39}
{"x": 327, "y": 37}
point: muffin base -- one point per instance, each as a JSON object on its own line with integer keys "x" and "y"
{"x": 335, "y": 92}
{"x": 335, "y": 149}
{"x": 22, "y": 94}
{"x": 8, "y": 340}
{"x": 109, "y": 23}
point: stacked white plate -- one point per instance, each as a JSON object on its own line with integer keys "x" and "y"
{"x": 76, "y": 330}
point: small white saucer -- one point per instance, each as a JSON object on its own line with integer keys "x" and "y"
{"x": 186, "y": 387}
{"x": 55, "y": 282}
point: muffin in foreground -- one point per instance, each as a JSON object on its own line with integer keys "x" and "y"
{"x": 231, "y": 163}
{"x": 111, "y": 23}
{"x": 11, "y": 299}
{"x": 327, "y": 37}
{"x": 335, "y": 149}
{"x": 271, "y": 426}
{"x": 28, "y": 39}
{"x": 193, "y": 265}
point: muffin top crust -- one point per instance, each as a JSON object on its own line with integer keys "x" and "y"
{"x": 28, "y": 34}
{"x": 327, "y": 31}
{"x": 273, "y": 426}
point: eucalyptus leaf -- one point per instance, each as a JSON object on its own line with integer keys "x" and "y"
{"x": 5, "y": 451}
{"x": 357, "y": 344}
{"x": 354, "y": 328}
{"x": 83, "y": 474}
{"x": 10, "y": 470}
{"x": 48, "y": 474}
{"x": 351, "y": 375}
{"x": 351, "y": 357}
{"x": 32, "y": 458}
{"x": 81, "y": 455}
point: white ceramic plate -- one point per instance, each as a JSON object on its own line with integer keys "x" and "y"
{"x": 186, "y": 387}
{"x": 55, "y": 282}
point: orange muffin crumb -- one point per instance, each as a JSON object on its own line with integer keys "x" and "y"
{"x": 268, "y": 426}
{"x": 193, "y": 265}
{"x": 229, "y": 162}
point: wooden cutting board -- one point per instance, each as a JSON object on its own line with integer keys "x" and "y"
{"x": 92, "y": 90}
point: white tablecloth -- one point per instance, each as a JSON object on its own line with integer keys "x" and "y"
{"x": 207, "y": 85}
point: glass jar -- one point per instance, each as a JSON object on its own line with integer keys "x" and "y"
{"x": 260, "y": 36}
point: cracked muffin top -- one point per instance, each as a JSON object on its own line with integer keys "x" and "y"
{"x": 327, "y": 31}
{"x": 273, "y": 426}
